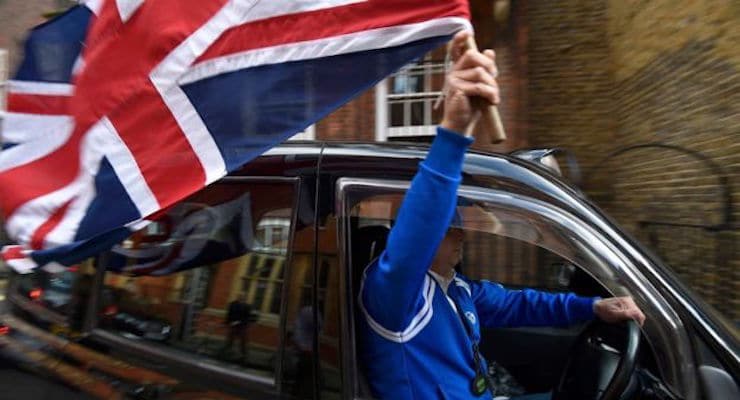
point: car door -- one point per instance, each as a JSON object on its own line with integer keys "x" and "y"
{"x": 194, "y": 304}
{"x": 519, "y": 241}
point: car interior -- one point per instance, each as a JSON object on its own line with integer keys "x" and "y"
{"x": 541, "y": 359}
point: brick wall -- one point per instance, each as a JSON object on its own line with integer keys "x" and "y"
{"x": 354, "y": 121}
{"x": 608, "y": 75}
{"x": 569, "y": 79}
{"x": 679, "y": 85}
{"x": 507, "y": 34}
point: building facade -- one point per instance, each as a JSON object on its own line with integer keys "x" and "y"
{"x": 645, "y": 95}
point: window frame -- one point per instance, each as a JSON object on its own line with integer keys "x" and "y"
{"x": 4, "y": 71}
{"x": 177, "y": 359}
{"x": 620, "y": 268}
{"x": 307, "y": 134}
{"x": 383, "y": 99}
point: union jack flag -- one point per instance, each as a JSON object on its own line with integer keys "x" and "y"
{"x": 171, "y": 95}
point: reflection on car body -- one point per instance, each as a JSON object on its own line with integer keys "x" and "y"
{"x": 149, "y": 318}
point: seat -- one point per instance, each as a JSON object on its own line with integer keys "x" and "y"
{"x": 367, "y": 243}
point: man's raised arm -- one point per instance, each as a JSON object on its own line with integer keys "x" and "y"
{"x": 395, "y": 290}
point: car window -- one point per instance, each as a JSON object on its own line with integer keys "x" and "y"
{"x": 306, "y": 316}
{"x": 207, "y": 277}
{"x": 56, "y": 294}
{"x": 488, "y": 254}
{"x": 520, "y": 242}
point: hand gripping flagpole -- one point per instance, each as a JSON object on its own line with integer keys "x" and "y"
{"x": 490, "y": 119}
{"x": 486, "y": 114}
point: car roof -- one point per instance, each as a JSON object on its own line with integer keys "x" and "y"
{"x": 399, "y": 160}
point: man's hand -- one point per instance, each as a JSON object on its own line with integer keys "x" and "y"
{"x": 617, "y": 309}
{"x": 470, "y": 85}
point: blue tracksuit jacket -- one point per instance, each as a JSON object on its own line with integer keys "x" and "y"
{"x": 413, "y": 343}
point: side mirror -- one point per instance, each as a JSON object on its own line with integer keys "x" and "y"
{"x": 560, "y": 161}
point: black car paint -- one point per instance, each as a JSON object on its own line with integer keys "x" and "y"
{"x": 319, "y": 165}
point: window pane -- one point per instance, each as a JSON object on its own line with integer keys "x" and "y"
{"x": 396, "y": 114}
{"x": 211, "y": 284}
{"x": 417, "y": 113}
{"x": 518, "y": 262}
{"x": 61, "y": 290}
{"x": 307, "y": 324}
{"x": 411, "y": 93}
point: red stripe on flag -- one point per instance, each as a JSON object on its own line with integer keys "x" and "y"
{"x": 37, "y": 240}
{"x": 13, "y": 252}
{"x": 119, "y": 64}
{"x": 40, "y": 177}
{"x": 104, "y": 27}
{"x": 331, "y": 22}
{"x": 118, "y": 60}
{"x": 166, "y": 160}
{"x": 38, "y": 104}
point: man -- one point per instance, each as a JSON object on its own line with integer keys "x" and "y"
{"x": 422, "y": 321}
{"x": 238, "y": 317}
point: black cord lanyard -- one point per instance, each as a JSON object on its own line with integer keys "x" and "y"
{"x": 482, "y": 381}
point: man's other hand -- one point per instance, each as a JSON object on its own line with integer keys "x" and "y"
{"x": 617, "y": 309}
{"x": 473, "y": 76}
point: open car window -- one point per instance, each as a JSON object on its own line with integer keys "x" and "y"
{"x": 498, "y": 246}
{"x": 523, "y": 242}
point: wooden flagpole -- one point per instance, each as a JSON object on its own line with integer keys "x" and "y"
{"x": 490, "y": 120}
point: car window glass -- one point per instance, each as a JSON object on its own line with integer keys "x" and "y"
{"x": 57, "y": 294}
{"x": 496, "y": 248}
{"x": 548, "y": 239}
{"x": 206, "y": 278}
{"x": 306, "y": 317}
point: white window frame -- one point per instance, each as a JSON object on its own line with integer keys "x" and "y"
{"x": 383, "y": 100}
{"x": 308, "y": 134}
{"x": 4, "y": 71}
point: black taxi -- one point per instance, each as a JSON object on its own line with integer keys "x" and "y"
{"x": 248, "y": 289}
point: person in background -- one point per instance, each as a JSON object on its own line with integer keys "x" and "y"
{"x": 238, "y": 318}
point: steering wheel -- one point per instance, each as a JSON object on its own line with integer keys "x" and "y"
{"x": 600, "y": 363}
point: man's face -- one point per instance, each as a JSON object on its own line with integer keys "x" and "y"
{"x": 450, "y": 251}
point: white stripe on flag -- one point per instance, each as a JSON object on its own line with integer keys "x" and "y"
{"x": 336, "y": 45}
{"x": 138, "y": 224}
{"x": 64, "y": 232}
{"x": 102, "y": 140}
{"x": 271, "y": 9}
{"x": 40, "y": 88}
{"x": 127, "y": 8}
{"x": 124, "y": 164}
{"x": 46, "y": 132}
{"x": 94, "y": 5}
{"x": 164, "y": 78}
{"x": 165, "y": 75}
{"x": 31, "y": 215}
{"x": 21, "y": 127}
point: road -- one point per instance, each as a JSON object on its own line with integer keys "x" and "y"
{"x": 16, "y": 384}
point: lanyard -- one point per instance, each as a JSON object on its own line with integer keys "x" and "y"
{"x": 482, "y": 381}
